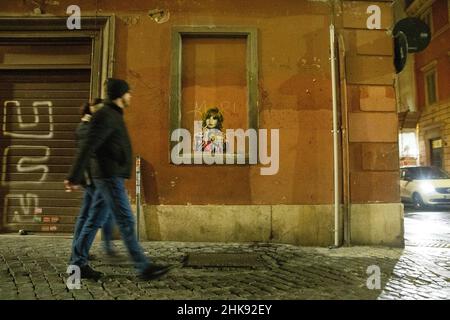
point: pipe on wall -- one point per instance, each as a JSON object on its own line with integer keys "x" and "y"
{"x": 336, "y": 182}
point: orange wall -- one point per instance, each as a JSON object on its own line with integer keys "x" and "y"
{"x": 295, "y": 97}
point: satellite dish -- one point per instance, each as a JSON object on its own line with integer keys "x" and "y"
{"x": 400, "y": 51}
{"x": 417, "y": 33}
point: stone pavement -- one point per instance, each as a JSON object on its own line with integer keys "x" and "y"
{"x": 34, "y": 267}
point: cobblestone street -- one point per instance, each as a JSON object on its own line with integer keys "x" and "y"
{"x": 33, "y": 267}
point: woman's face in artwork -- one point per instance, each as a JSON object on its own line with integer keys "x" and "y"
{"x": 211, "y": 122}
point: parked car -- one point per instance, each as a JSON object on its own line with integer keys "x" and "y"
{"x": 424, "y": 186}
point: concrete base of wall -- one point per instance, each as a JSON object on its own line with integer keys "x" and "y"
{"x": 306, "y": 225}
{"x": 377, "y": 224}
{"x": 208, "y": 223}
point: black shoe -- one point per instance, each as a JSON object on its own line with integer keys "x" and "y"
{"x": 88, "y": 273}
{"x": 154, "y": 271}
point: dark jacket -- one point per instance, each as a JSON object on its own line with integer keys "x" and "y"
{"x": 81, "y": 135}
{"x": 109, "y": 144}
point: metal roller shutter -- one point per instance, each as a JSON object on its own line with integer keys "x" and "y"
{"x": 39, "y": 112}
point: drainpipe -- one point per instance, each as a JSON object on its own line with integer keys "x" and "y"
{"x": 138, "y": 197}
{"x": 336, "y": 131}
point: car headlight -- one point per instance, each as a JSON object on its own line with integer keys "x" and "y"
{"x": 427, "y": 187}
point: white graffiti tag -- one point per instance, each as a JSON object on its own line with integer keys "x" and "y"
{"x": 27, "y": 202}
{"x": 27, "y": 164}
{"x": 24, "y": 206}
{"x": 22, "y": 125}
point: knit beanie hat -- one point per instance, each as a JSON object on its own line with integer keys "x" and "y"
{"x": 116, "y": 88}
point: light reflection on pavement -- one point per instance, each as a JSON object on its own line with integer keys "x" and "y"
{"x": 429, "y": 227}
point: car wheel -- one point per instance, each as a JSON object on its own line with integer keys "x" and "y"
{"x": 418, "y": 202}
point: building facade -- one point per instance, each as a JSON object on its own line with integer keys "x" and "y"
{"x": 432, "y": 76}
{"x": 264, "y": 65}
{"x": 423, "y": 89}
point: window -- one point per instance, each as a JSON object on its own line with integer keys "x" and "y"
{"x": 431, "y": 87}
{"x": 214, "y": 72}
{"x": 408, "y": 145}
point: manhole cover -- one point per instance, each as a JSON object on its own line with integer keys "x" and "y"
{"x": 223, "y": 260}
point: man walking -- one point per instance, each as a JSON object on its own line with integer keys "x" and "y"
{"x": 109, "y": 143}
{"x": 87, "y": 110}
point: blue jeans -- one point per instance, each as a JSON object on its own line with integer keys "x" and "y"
{"x": 107, "y": 228}
{"x": 115, "y": 199}
{"x": 107, "y": 232}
